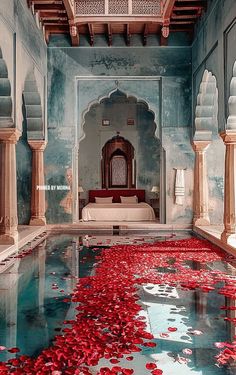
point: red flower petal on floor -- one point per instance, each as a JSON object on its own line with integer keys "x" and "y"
{"x": 127, "y": 371}
{"x": 172, "y": 329}
{"x": 13, "y": 350}
{"x": 157, "y": 372}
{"x": 130, "y": 358}
{"x": 151, "y": 366}
{"x": 164, "y": 335}
{"x": 114, "y": 360}
{"x": 150, "y": 344}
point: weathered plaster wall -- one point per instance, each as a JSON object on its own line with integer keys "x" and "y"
{"x": 78, "y": 77}
{"x": 23, "y": 50}
{"x": 214, "y": 50}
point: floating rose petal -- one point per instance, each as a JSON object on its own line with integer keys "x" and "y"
{"x": 151, "y": 366}
{"x": 2, "y": 348}
{"x": 172, "y": 329}
{"x": 164, "y": 335}
{"x": 220, "y": 345}
{"x": 13, "y": 350}
{"x": 187, "y": 351}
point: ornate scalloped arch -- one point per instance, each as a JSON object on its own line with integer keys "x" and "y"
{"x": 207, "y": 105}
{"x": 127, "y": 95}
{"x": 32, "y": 101}
{"x": 5, "y": 95}
{"x": 231, "y": 121}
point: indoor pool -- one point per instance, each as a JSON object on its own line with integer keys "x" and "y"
{"x": 190, "y": 322}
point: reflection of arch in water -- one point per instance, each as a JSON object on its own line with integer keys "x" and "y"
{"x": 118, "y": 165}
{"x": 127, "y": 96}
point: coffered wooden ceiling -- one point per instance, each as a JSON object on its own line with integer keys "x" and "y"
{"x": 109, "y": 17}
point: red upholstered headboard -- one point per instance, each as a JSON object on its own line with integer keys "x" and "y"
{"x": 116, "y": 193}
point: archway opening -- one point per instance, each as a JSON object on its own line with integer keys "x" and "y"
{"x": 135, "y": 161}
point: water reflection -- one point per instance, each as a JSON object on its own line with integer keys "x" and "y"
{"x": 32, "y": 291}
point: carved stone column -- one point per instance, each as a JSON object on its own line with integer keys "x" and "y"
{"x": 8, "y": 186}
{"x": 200, "y": 196}
{"x": 38, "y": 193}
{"x": 229, "y": 138}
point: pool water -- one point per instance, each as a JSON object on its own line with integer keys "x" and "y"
{"x": 35, "y": 301}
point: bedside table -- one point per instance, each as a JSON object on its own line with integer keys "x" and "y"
{"x": 155, "y": 205}
{"x": 82, "y": 203}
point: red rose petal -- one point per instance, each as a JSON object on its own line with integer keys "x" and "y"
{"x": 151, "y": 366}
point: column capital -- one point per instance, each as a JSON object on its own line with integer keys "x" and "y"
{"x": 199, "y": 146}
{"x": 229, "y": 136}
{"x": 9, "y": 135}
{"x": 37, "y": 144}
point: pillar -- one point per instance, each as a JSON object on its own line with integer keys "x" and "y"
{"x": 8, "y": 186}
{"x": 38, "y": 193}
{"x": 200, "y": 196}
{"x": 229, "y": 138}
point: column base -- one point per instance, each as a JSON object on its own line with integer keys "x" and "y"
{"x": 228, "y": 237}
{"x": 6, "y": 239}
{"x": 201, "y": 221}
{"x": 38, "y": 222}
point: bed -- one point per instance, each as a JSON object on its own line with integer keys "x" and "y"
{"x": 128, "y": 210}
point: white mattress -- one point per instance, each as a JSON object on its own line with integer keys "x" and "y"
{"x": 118, "y": 212}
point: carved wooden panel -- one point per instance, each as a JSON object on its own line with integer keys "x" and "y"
{"x": 118, "y": 7}
{"x": 148, "y": 7}
{"x": 90, "y": 7}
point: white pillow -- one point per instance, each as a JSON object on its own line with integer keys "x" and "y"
{"x": 129, "y": 200}
{"x": 101, "y": 200}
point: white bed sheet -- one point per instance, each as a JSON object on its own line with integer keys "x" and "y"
{"x": 118, "y": 212}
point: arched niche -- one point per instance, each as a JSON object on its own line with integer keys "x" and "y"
{"x": 118, "y": 164}
{"x": 33, "y": 108}
{"x": 5, "y": 95}
{"x": 207, "y": 106}
{"x": 231, "y": 121}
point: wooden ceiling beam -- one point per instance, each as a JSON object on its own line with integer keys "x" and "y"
{"x": 128, "y": 35}
{"x": 91, "y": 34}
{"x": 109, "y": 34}
{"x": 47, "y": 2}
{"x": 69, "y": 8}
{"x": 182, "y": 22}
{"x": 184, "y": 16}
{"x": 168, "y": 8}
{"x": 186, "y": 7}
{"x": 145, "y": 34}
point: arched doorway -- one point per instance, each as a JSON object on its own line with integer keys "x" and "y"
{"x": 118, "y": 163}
{"x": 127, "y": 128}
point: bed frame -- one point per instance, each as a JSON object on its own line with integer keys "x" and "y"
{"x": 116, "y": 193}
